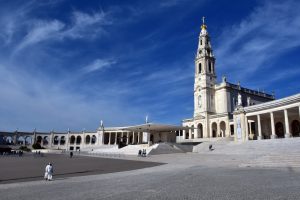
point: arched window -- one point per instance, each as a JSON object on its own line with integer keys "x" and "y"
{"x": 199, "y": 68}
{"x": 200, "y": 42}
{"x": 209, "y": 66}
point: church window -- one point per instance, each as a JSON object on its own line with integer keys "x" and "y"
{"x": 209, "y": 67}
{"x": 200, "y": 42}
{"x": 199, "y": 68}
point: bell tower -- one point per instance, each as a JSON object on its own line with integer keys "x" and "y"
{"x": 205, "y": 76}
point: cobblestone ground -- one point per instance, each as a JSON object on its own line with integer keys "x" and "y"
{"x": 186, "y": 176}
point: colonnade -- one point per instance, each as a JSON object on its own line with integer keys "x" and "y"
{"x": 114, "y": 138}
{"x": 275, "y": 123}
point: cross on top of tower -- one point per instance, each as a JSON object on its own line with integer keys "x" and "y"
{"x": 203, "y": 26}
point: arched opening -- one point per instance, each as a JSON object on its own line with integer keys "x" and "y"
{"x": 55, "y": 140}
{"x": 21, "y": 140}
{"x": 200, "y": 42}
{"x": 87, "y": 139}
{"x": 199, "y": 68}
{"x": 62, "y": 140}
{"x": 45, "y": 140}
{"x": 39, "y": 139}
{"x": 187, "y": 133}
{"x": 209, "y": 66}
{"x": 214, "y": 129}
{"x": 295, "y": 128}
{"x": 94, "y": 139}
{"x": 8, "y": 140}
{"x": 2, "y": 139}
{"x": 72, "y": 139}
{"x": 78, "y": 139}
{"x": 152, "y": 138}
{"x": 222, "y": 129}
{"x": 28, "y": 140}
{"x": 279, "y": 130}
{"x": 200, "y": 130}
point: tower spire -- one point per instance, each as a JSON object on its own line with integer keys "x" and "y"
{"x": 203, "y": 26}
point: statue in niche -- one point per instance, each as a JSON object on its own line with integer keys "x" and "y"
{"x": 239, "y": 128}
{"x": 199, "y": 101}
{"x": 248, "y": 101}
{"x": 240, "y": 103}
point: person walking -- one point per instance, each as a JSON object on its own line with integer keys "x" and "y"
{"x": 46, "y": 172}
{"x": 49, "y": 171}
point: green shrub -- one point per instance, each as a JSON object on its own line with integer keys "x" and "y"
{"x": 37, "y": 146}
{"x": 24, "y": 148}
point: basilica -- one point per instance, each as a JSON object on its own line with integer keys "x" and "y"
{"x": 222, "y": 111}
{"x": 231, "y": 111}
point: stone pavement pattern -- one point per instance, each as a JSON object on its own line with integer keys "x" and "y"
{"x": 186, "y": 176}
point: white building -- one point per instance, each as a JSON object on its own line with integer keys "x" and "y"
{"x": 217, "y": 107}
{"x": 221, "y": 110}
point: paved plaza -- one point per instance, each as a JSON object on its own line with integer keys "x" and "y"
{"x": 185, "y": 176}
{"x": 32, "y": 166}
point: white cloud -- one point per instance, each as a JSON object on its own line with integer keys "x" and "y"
{"x": 41, "y": 31}
{"x": 271, "y": 29}
{"x": 99, "y": 64}
{"x": 87, "y": 26}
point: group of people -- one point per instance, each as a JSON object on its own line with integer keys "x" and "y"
{"x": 142, "y": 153}
{"x": 48, "y": 172}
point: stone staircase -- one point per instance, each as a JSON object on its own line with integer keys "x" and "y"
{"x": 255, "y": 147}
{"x": 165, "y": 148}
{"x": 161, "y": 148}
{"x": 258, "y": 153}
{"x": 289, "y": 160}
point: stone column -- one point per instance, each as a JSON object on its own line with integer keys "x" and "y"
{"x": 127, "y": 141}
{"x": 259, "y": 127}
{"x": 51, "y": 139}
{"x": 139, "y": 139}
{"x": 34, "y": 137}
{"x": 218, "y": 129}
{"x": 287, "y": 124}
{"x": 184, "y": 134}
{"x": 116, "y": 137}
{"x": 250, "y": 127}
{"x": 133, "y": 138}
{"x": 247, "y": 129}
{"x": 109, "y": 138}
{"x": 190, "y": 132}
{"x": 273, "y": 136}
{"x": 15, "y": 139}
{"x": 68, "y": 141}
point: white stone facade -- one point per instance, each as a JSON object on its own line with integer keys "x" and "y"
{"x": 215, "y": 103}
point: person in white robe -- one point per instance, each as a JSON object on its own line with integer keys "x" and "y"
{"x": 49, "y": 172}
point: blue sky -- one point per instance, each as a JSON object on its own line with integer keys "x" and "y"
{"x": 69, "y": 64}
